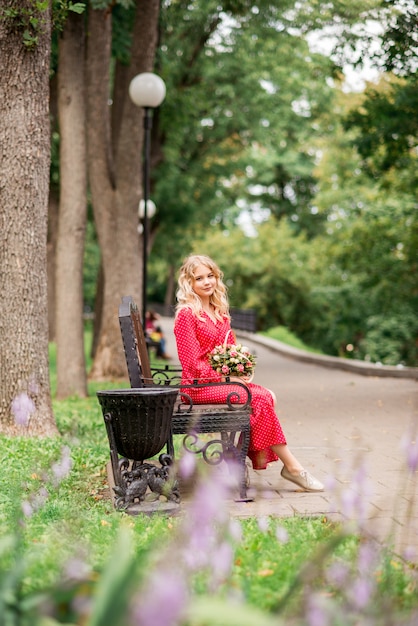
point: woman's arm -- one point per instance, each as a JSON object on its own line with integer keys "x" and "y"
{"x": 192, "y": 356}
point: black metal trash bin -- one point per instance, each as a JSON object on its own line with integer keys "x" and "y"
{"x": 139, "y": 419}
{"x": 138, "y": 425}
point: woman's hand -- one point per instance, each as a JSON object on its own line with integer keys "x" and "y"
{"x": 238, "y": 379}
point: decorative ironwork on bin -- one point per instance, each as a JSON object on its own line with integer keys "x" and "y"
{"x": 138, "y": 424}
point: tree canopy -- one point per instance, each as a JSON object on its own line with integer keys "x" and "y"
{"x": 341, "y": 170}
{"x": 304, "y": 193}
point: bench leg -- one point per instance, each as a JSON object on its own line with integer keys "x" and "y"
{"x": 114, "y": 456}
{"x": 245, "y": 444}
{"x": 227, "y": 451}
{"x": 239, "y": 453}
{"x": 170, "y": 444}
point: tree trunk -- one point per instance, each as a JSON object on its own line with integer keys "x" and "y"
{"x": 51, "y": 256}
{"x": 114, "y": 165}
{"x": 170, "y": 290}
{"x": 52, "y": 217}
{"x": 71, "y": 366}
{"x": 98, "y": 310}
{"x": 25, "y": 406}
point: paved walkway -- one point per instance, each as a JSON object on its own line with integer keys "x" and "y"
{"x": 347, "y": 429}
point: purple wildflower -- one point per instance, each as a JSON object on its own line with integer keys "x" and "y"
{"x": 62, "y": 468}
{"x": 354, "y": 499}
{"x": 337, "y": 574}
{"x": 410, "y": 553}
{"x": 263, "y": 524}
{"x": 361, "y": 592}
{"x": 82, "y": 606}
{"x": 222, "y": 560}
{"x": 76, "y": 568}
{"x": 410, "y": 448}
{"x": 208, "y": 504}
{"x": 163, "y": 602}
{"x": 33, "y": 387}
{"x": 267, "y": 494}
{"x": 235, "y": 530}
{"x": 187, "y": 465}
{"x": 205, "y": 542}
{"x": 22, "y": 409}
{"x": 27, "y": 508}
{"x": 316, "y": 613}
{"x": 350, "y": 502}
{"x": 367, "y": 557}
{"x": 281, "y": 534}
{"x": 331, "y": 483}
{"x": 206, "y": 515}
{"x": 40, "y": 498}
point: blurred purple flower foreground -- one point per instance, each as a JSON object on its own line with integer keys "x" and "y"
{"x": 203, "y": 544}
{"x": 409, "y": 447}
{"x": 22, "y": 409}
{"x": 59, "y": 470}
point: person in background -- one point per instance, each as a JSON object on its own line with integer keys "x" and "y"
{"x": 201, "y": 323}
{"x": 154, "y": 331}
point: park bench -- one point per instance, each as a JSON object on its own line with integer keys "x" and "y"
{"x": 244, "y": 319}
{"x": 230, "y": 422}
{"x": 241, "y": 319}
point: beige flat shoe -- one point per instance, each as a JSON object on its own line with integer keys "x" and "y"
{"x": 304, "y": 479}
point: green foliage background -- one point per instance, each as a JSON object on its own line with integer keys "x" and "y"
{"x": 305, "y": 194}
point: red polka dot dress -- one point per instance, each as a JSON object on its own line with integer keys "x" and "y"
{"x": 195, "y": 339}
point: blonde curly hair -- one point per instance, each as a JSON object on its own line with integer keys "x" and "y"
{"x": 187, "y": 298}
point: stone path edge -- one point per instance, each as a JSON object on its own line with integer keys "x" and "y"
{"x": 351, "y": 365}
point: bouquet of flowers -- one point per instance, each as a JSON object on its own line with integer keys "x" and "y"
{"x": 232, "y": 359}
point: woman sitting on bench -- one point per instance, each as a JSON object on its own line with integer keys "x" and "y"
{"x": 202, "y": 322}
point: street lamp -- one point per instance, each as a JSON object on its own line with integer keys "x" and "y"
{"x": 151, "y": 211}
{"x": 146, "y": 90}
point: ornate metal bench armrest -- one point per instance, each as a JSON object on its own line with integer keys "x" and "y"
{"x": 166, "y": 375}
{"x": 236, "y": 399}
{"x": 233, "y": 395}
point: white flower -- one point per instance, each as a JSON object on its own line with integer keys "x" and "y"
{"x": 232, "y": 360}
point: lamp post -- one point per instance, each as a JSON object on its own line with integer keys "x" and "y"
{"x": 146, "y": 90}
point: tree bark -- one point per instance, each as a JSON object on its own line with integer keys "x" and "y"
{"x": 51, "y": 257}
{"x": 25, "y": 406}
{"x": 52, "y": 216}
{"x": 71, "y": 366}
{"x": 170, "y": 290}
{"x": 114, "y": 165}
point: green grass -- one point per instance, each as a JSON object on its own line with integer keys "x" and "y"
{"x": 77, "y": 520}
{"x": 283, "y": 334}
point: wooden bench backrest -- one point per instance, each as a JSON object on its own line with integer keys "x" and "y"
{"x": 134, "y": 343}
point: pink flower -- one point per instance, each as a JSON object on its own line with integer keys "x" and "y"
{"x": 231, "y": 359}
